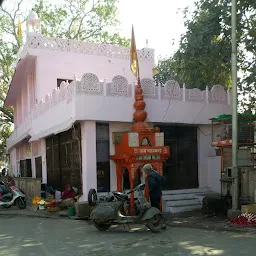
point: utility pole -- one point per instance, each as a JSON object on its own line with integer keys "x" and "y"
{"x": 235, "y": 185}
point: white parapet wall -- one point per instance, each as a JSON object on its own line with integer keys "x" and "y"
{"x": 91, "y": 99}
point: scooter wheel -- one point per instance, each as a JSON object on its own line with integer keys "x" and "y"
{"x": 6, "y": 199}
{"x": 92, "y": 197}
{"x": 155, "y": 223}
{"x": 102, "y": 226}
{"x": 21, "y": 203}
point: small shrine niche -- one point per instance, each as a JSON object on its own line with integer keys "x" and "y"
{"x": 134, "y": 149}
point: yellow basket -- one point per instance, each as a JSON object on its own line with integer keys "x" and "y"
{"x": 54, "y": 209}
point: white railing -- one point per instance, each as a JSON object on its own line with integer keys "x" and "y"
{"x": 38, "y": 41}
{"x": 119, "y": 87}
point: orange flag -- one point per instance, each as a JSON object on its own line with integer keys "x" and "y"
{"x": 134, "y": 57}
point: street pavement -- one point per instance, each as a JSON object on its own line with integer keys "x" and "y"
{"x": 23, "y": 236}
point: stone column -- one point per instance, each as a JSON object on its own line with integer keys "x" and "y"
{"x": 33, "y": 166}
{"x": 44, "y": 166}
{"x": 89, "y": 162}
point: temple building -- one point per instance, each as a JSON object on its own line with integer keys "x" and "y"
{"x": 73, "y": 103}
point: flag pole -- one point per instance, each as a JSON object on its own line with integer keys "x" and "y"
{"x": 140, "y": 114}
{"x": 138, "y": 78}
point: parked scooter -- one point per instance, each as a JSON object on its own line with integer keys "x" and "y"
{"x": 11, "y": 196}
{"x": 110, "y": 212}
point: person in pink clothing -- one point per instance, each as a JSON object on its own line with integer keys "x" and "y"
{"x": 68, "y": 193}
{"x": 68, "y": 197}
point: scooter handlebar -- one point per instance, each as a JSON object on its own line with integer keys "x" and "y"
{"x": 141, "y": 186}
{"x": 130, "y": 192}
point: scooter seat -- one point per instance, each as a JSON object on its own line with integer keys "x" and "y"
{"x": 120, "y": 196}
{"x": 7, "y": 195}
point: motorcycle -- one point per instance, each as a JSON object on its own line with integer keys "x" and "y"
{"x": 110, "y": 211}
{"x": 11, "y": 196}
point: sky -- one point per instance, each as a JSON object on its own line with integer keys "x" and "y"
{"x": 159, "y": 21}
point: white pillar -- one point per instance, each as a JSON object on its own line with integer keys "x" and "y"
{"x": 33, "y": 163}
{"x": 207, "y": 94}
{"x": 89, "y": 162}
{"x": 44, "y": 166}
{"x": 184, "y": 92}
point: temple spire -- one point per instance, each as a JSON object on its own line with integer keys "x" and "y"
{"x": 140, "y": 114}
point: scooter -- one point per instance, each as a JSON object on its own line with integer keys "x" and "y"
{"x": 11, "y": 196}
{"x": 111, "y": 212}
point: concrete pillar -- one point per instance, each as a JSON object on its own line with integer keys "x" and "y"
{"x": 44, "y": 166}
{"x": 89, "y": 162}
{"x": 13, "y": 162}
{"x": 33, "y": 166}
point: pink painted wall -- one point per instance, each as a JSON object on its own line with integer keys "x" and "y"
{"x": 24, "y": 94}
{"x": 15, "y": 116}
{"x": 21, "y": 152}
{"x": 24, "y": 151}
{"x": 36, "y": 148}
{"x": 31, "y": 90}
{"x": 56, "y": 64}
{"x": 25, "y": 102}
{"x": 19, "y": 111}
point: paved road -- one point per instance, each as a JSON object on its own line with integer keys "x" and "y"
{"x": 21, "y": 236}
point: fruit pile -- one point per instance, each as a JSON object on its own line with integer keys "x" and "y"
{"x": 40, "y": 201}
{"x": 245, "y": 219}
{"x": 54, "y": 203}
{"x": 36, "y": 200}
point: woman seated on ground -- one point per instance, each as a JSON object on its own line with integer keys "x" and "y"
{"x": 68, "y": 197}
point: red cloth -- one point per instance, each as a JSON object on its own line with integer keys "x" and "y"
{"x": 11, "y": 181}
{"x": 68, "y": 193}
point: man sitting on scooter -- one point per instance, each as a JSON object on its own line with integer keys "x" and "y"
{"x": 155, "y": 183}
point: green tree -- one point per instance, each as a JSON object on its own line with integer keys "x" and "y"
{"x": 204, "y": 54}
{"x": 94, "y": 21}
{"x": 90, "y": 20}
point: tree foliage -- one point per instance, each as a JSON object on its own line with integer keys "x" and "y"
{"x": 93, "y": 21}
{"x": 204, "y": 54}
{"x": 90, "y": 20}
